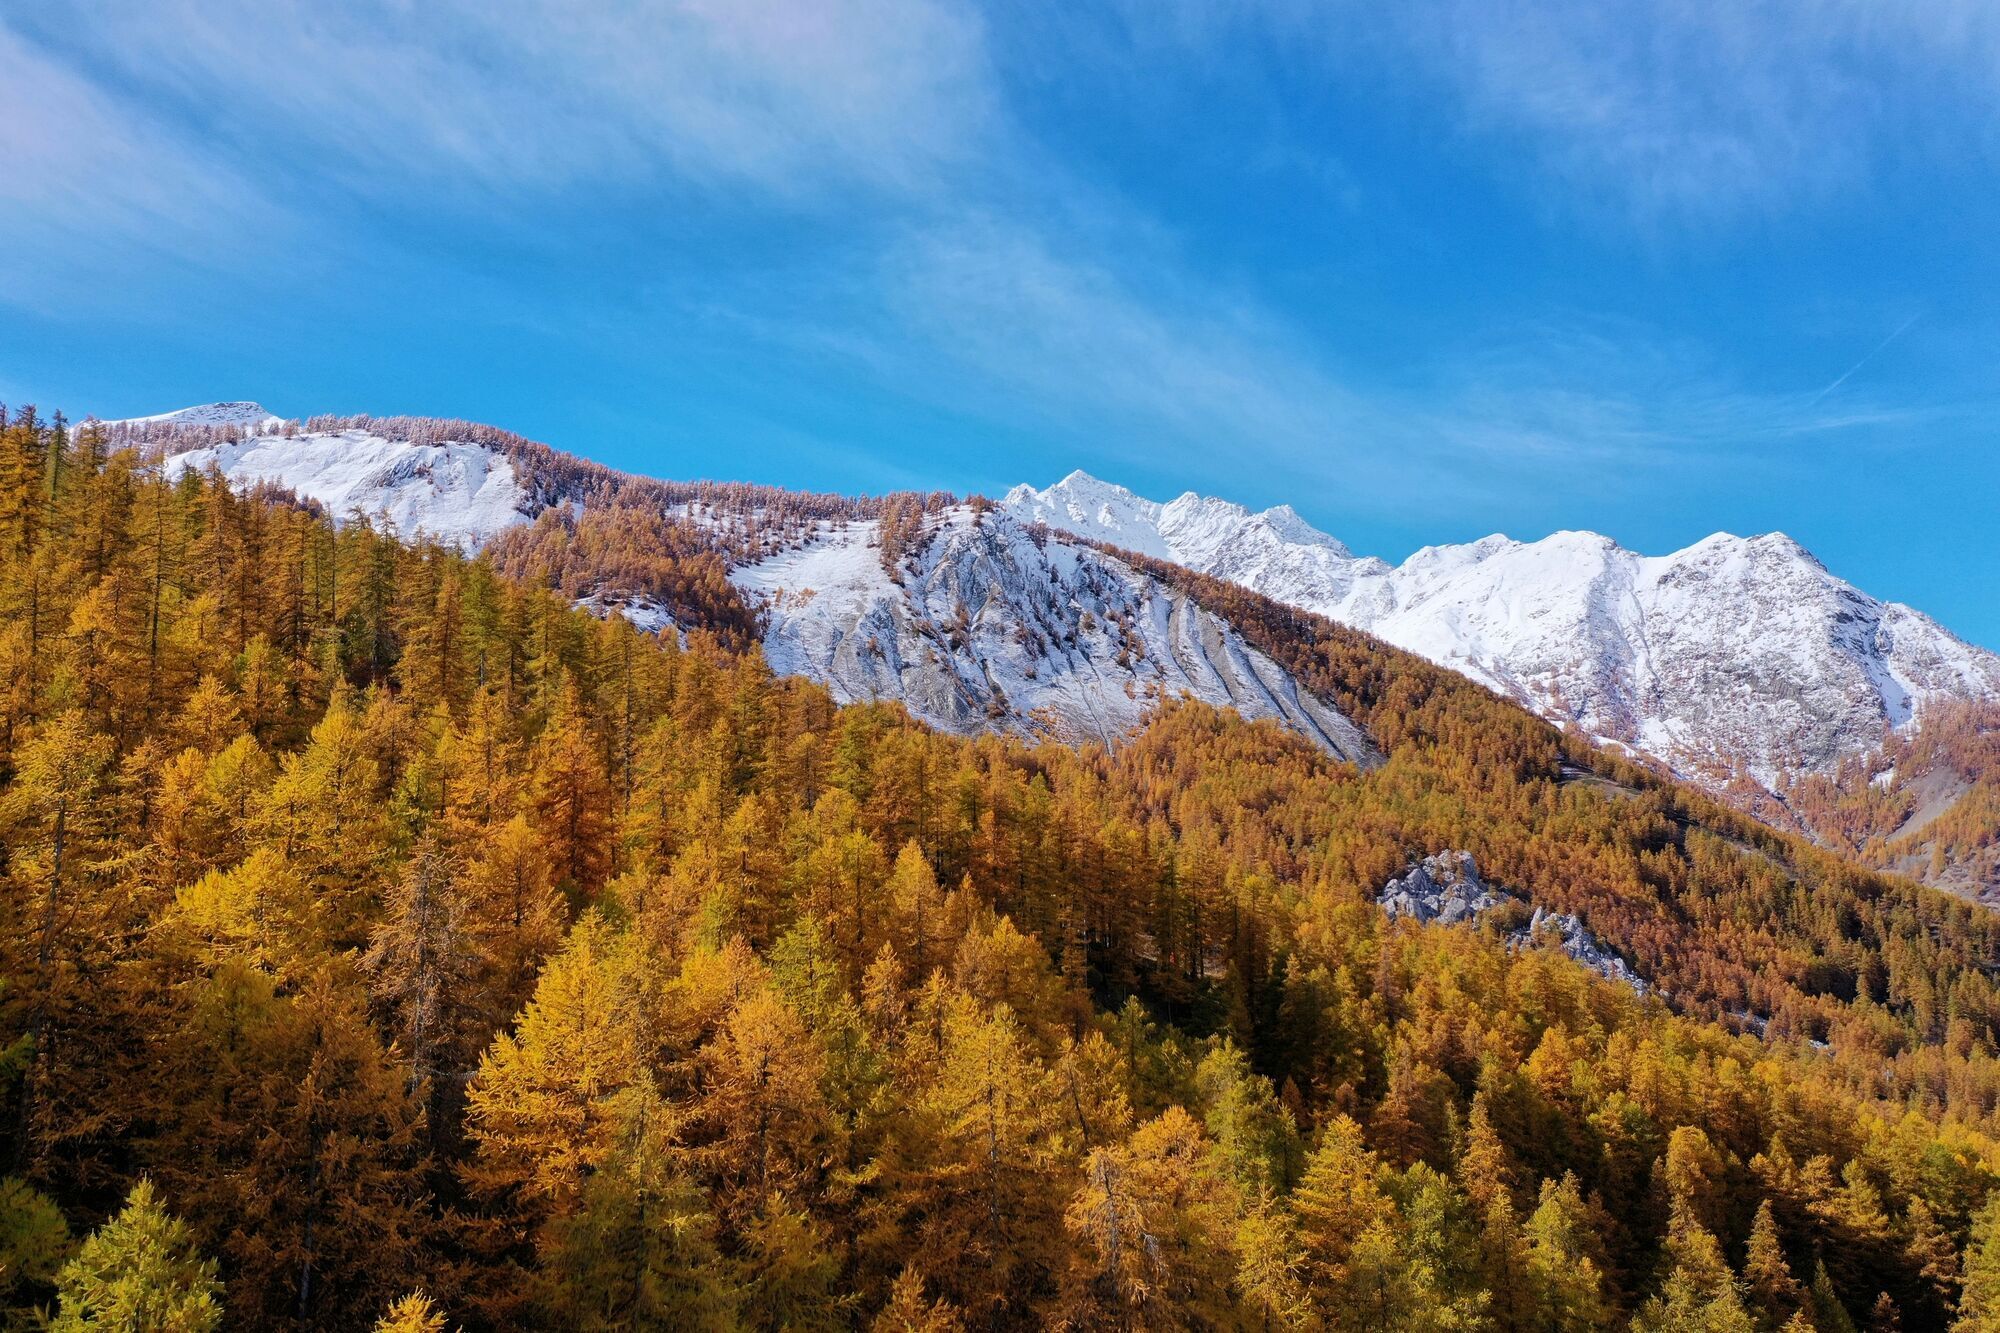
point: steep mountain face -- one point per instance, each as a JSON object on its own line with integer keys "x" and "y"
{"x": 984, "y": 626}
{"x": 980, "y": 626}
{"x": 456, "y": 492}
{"x": 1736, "y": 654}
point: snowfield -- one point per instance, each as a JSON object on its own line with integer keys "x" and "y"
{"x": 460, "y": 494}
{"x": 1736, "y": 650}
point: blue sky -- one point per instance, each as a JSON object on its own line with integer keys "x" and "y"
{"x": 1425, "y": 270}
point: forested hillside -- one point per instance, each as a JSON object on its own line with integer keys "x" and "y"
{"x": 1927, "y": 803}
{"x": 1767, "y": 687}
{"x": 387, "y": 940}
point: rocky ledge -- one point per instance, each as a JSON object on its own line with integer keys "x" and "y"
{"x": 1446, "y": 889}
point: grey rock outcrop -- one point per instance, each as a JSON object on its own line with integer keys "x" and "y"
{"x": 1445, "y": 889}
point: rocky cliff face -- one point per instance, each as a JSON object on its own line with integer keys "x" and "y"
{"x": 1445, "y": 888}
{"x": 986, "y": 625}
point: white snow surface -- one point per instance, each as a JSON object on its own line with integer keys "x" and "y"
{"x": 989, "y": 626}
{"x": 250, "y": 416}
{"x": 459, "y": 494}
{"x": 1735, "y": 650}
{"x": 645, "y": 614}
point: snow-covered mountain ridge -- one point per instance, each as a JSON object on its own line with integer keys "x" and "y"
{"x": 248, "y": 416}
{"x": 983, "y": 625}
{"x": 1735, "y": 653}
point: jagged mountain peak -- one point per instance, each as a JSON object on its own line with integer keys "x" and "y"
{"x": 1105, "y": 511}
{"x": 1771, "y": 546}
{"x": 1289, "y": 524}
{"x": 1193, "y": 518}
{"x": 1099, "y": 510}
{"x": 1732, "y": 652}
{"x": 1078, "y": 479}
{"x": 1081, "y": 486}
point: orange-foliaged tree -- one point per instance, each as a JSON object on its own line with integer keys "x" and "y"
{"x": 438, "y": 953}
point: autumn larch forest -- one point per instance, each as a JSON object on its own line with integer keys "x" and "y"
{"x": 391, "y": 945}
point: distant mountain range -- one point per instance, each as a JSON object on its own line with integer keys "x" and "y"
{"x": 981, "y": 626}
{"x": 1740, "y": 662}
{"x": 1737, "y": 653}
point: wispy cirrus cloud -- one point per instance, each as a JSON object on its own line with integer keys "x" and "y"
{"x": 1135, "y": 364}
{"x": 1079, "y": 338}
{"x": 1620, "y": 394}
{"x": 956, "y": 254}
{"x": 242, "y": 137}
{"x": 1649, "y": 113}
{"x": 1695, "y": 112}
{"x": 514, "y": 94}
{"x": 81, "y": 176}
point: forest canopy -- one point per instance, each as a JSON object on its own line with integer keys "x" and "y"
{"x": 389, "y": 943}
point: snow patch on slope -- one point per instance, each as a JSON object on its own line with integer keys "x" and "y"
{"x": 454, "y": 493}
{"x": 645, "y": 614}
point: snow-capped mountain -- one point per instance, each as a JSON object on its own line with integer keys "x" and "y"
{"x": 457, "y": 492}
{"x": 1734, "y": 655}
{"x": 1735, "y": 652}
{"x": 425, "y": 482}
{"x": 983, "y": 626}
{"x": 249, "y": 416}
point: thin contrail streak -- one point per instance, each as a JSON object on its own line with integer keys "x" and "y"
{"x": 1863, "y": 361}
